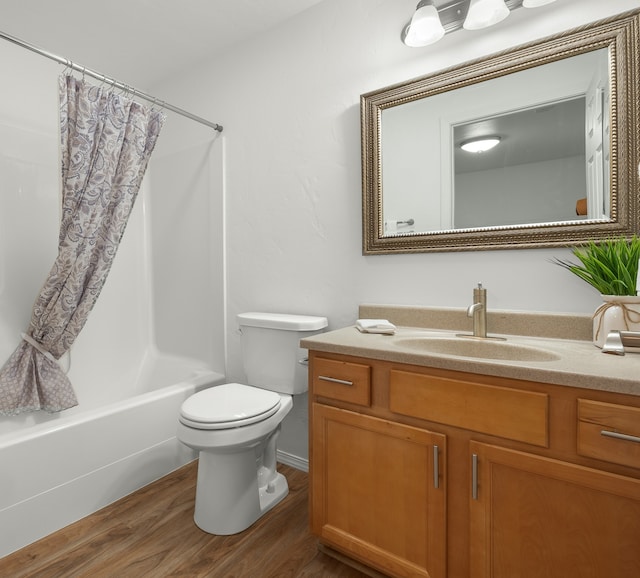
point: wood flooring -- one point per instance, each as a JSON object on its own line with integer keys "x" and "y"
{"x": 151, "y": 533}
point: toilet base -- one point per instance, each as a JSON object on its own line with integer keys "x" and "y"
{"x": 228, "y": 497}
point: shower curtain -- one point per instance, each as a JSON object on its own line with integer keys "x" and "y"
{"x": 106, "y": 142}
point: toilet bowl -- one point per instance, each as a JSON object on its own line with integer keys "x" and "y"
{"x": 235, "y": 427}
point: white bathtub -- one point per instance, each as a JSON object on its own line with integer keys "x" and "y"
{"x": 56, "y": 472}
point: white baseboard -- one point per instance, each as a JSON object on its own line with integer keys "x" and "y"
{"x": 293, "y": 461}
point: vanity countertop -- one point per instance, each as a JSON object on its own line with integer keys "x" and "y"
{"x": 577, "y": 362}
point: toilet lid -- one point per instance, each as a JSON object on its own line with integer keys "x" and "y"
{"x": 228, "y": 405}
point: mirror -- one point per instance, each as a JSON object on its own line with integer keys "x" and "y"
{"x": 564, "y": 111}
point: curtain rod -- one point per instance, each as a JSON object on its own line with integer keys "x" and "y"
{"x": 114, "y": 83}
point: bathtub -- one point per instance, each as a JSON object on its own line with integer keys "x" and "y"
{"x": 58, "y": 471}
{"x": 155, "y": 336}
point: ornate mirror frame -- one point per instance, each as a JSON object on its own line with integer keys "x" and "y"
{"x": 620, "y": 34}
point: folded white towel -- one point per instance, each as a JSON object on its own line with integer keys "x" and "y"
{"x": 375, "y": 326}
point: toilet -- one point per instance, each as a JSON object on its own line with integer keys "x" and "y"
{"x": 235, "y": 427}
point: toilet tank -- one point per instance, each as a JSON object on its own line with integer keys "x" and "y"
{"x": 271, "y": 353}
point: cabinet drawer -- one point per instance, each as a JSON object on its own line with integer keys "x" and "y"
{"x": 609, "y": 432}
{"x": 508, "y": 413}
{"x": 342, "y": 380}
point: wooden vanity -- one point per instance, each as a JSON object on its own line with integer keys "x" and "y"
{"x": 429, "y": 471}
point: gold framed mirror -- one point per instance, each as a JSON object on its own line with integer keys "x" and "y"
{"x": 534, "y": 189}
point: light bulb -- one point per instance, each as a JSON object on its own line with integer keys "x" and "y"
{"x": 425, "y": 27}
{"x": 484, "y": 13}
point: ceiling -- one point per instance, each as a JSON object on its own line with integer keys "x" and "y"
{"x": 142, "y": 42}
{"x": 537, "y": 134}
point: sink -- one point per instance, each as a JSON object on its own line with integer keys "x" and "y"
{"x": 461, "y": 346}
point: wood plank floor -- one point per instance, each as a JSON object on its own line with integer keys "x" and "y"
{"x": 151, "y": 533}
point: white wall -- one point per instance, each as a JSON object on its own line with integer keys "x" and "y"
{"x": 289, "y": 102}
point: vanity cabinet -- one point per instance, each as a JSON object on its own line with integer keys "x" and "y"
{"x": 378, "y": 491}
{"x": 535, "y": 516}
{"x": 417, "y": 471}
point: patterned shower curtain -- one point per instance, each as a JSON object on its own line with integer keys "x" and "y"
{"x": 106, "y": 141}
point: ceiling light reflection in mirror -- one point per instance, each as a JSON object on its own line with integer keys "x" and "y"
{"x": 480, "y": 145}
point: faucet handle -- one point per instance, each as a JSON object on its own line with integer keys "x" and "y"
{"x": 479, "y": 294}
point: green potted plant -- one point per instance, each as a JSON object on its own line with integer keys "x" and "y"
{"x": 611, "y": 267}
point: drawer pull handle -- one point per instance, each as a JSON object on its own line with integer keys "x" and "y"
{"x": 436, "y": 469}
{"x": 620, "y": 436}
{"x": 474, "y": 476}
{"x": 335, "y": 380}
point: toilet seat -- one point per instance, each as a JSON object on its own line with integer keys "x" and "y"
{"x": 227, "y": 406}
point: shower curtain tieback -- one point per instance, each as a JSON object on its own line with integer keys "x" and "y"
{"x": 106, "y": 142}
{"x": 39, "y": 347}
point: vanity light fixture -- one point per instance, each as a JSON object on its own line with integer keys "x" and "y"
{"x": 480, "y": 145}
{"x": 425, "y": 27}
{"x": 433, "y": 19}
{"x": 485, "y": 13}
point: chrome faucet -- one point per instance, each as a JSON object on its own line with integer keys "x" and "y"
{"x": 479, "y": 311}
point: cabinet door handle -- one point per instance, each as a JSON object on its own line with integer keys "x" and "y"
{"x": 334, "y": 380}
{"x": 620, "y": 436}
{"x": 436, "y": 468}
{"x": 474, "y": 476}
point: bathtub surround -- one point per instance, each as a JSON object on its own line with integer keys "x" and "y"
{"x": 155, "y": 336}
{"x": 106, "y": 142}
{"x": 133, "y": 365}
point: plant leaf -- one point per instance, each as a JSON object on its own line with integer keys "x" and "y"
{"x": 610, "y": 266}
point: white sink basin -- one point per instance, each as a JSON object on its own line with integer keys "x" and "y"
{"x": 460, "y": 346}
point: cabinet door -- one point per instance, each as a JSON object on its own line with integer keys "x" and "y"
{"x": 378, "y": 491}
{"x": 536, "y": 517}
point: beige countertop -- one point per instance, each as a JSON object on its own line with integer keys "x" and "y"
{"x": 575, "y": 363}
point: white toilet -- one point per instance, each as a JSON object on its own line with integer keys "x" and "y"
{"x": 235, "y": 427}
